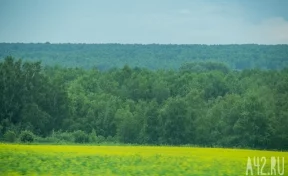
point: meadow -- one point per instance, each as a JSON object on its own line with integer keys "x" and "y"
{"x": 130, "y": 160}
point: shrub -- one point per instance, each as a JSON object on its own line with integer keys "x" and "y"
{"x": 80, "y": 136}
{"x": 48, "y": 140}
{"x": 26, "y": 136}
{"x": 93, "y": 136}
{"x": 64, "y": 136}
{"x": 111, "y": 139}
{"x": 101, "y": 139}
{"x": 10, "y": 136}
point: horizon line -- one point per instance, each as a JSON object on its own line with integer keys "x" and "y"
{"x": 112, "y": 43}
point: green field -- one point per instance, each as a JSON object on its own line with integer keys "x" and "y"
{"x": 132, "y": 160}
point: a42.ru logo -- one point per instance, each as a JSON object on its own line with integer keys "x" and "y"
{"x": 263, "y": 166}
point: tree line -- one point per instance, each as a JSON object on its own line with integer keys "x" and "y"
{"x": 201, "y": 103}
{"x": 152, "y": 56}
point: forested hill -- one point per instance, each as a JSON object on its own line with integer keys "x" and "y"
{"x": 211, "y": 107}
{"x": 152, "y": 56}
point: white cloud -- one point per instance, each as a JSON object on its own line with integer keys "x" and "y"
{"x": 271, "y": 30}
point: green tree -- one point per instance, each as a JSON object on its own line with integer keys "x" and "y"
{"x": 127, "y": 127}
{"x": 9, "y": 136}
{"x": 26, "y": 136}
{"x": 174, "y": 121}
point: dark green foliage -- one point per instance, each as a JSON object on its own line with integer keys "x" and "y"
{"x": 29, "y": 98}
{"x": 127, "y": 130}
{"x": 93, "y": 136}
{"x": 80, "y": 137}
{"x": 173, "y": 120}
{"x": 204, "y": 104}
{"x": 10, "y": 136}
{"x": 36, "y": 118}
{"x": 60, "y": 136}
{"x": 204, "y": 67}
{"x": 26, "y": 136}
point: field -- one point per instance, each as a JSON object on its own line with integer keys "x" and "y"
{"x": 133, "y": 160}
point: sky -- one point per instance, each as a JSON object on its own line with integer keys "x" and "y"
{"x": 145, "y": 21}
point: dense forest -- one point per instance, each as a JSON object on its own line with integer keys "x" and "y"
{"x": 199, "y": 103}
{"x": 152, "y": 56}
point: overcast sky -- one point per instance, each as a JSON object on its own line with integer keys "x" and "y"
{"x": 145, "y": 21}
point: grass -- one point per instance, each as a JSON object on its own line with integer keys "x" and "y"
{"x": 128, "y": 160}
